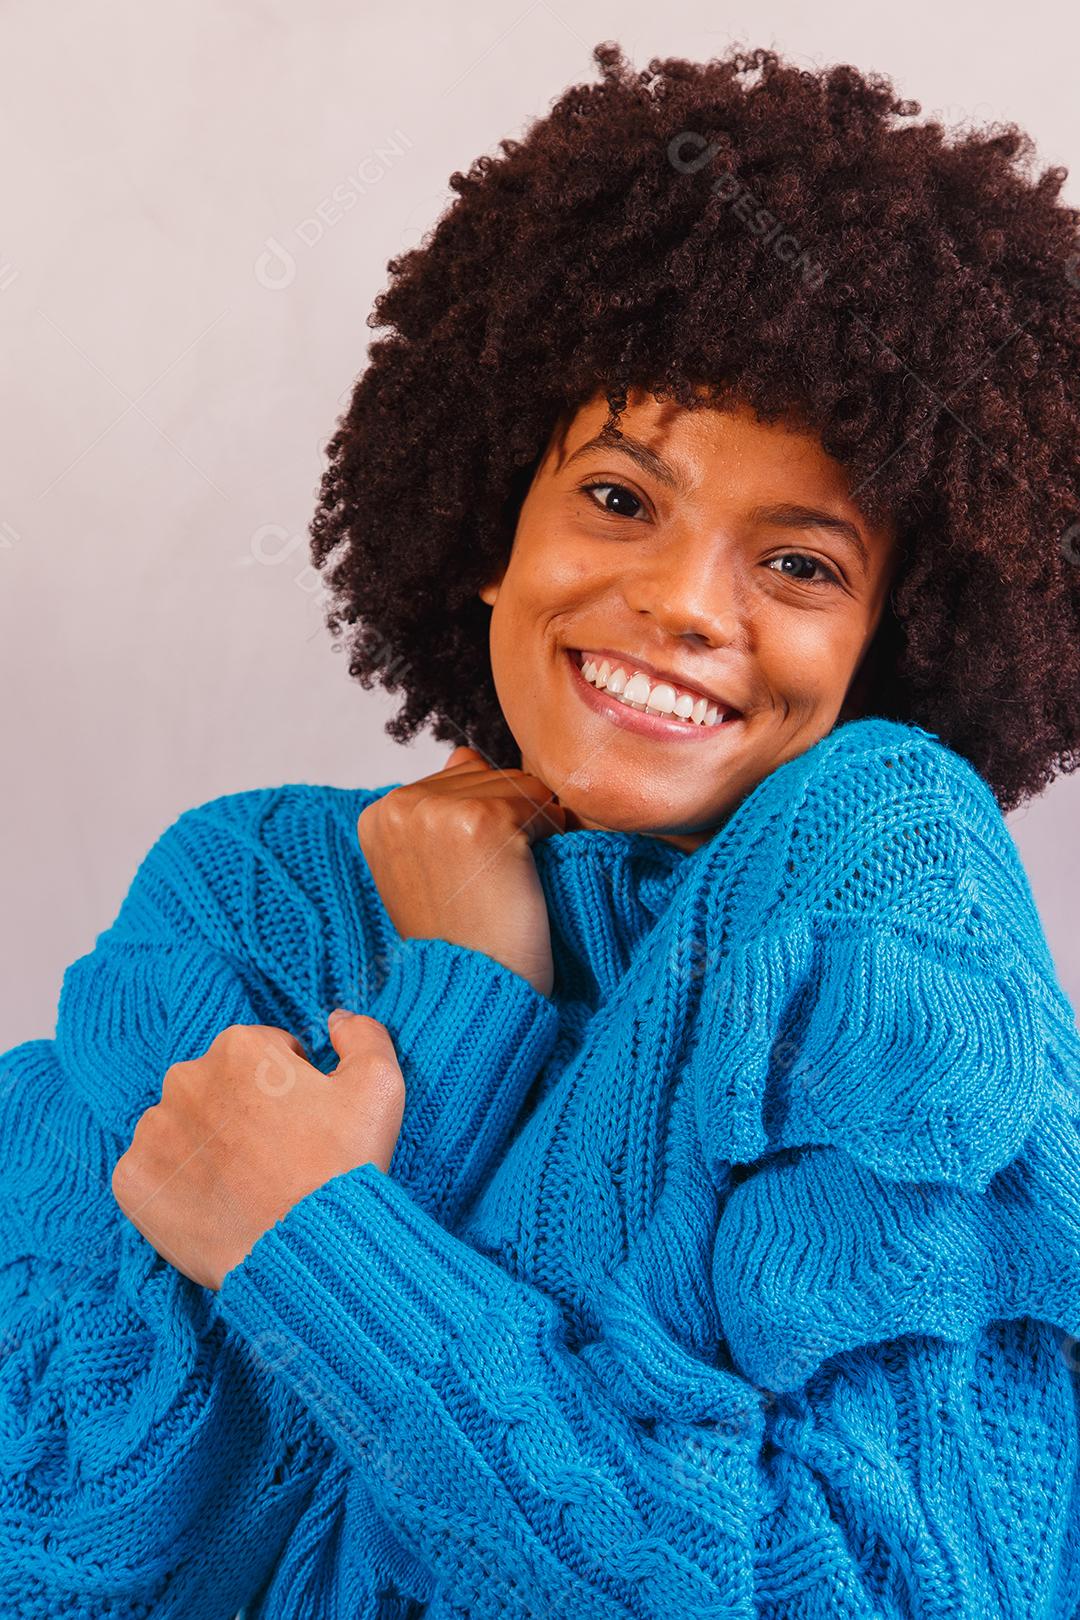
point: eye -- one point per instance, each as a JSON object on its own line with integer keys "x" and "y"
{"x": 621, "y": 491}
{"x": 831, "y": 578}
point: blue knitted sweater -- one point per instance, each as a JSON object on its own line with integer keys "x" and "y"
{"x": 740, "y": 1277}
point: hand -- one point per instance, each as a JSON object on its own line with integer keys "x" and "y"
{"x": 248, "y": 1130}
{"x": 451, "y": 858}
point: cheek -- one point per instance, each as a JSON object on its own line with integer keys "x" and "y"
{"x": 545, "y": 593}
{"x": 555, "y": 566}
{"x": 808, "y": 655}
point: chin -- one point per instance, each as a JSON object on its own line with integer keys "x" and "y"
{"x": 634, "y": 821}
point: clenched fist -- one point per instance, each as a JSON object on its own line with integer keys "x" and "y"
{"x": 451, "y": 856}
{"x": 244, "y": 1132}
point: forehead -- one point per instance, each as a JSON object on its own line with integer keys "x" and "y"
{"x": 710, "y": 432}
{"x": 689, "y": 450}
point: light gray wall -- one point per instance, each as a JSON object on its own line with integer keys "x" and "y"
{"x": 198, "y": 205}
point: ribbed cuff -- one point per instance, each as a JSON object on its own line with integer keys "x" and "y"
{"x": 471, "y": 1036}
{"x": 357, "y": 1294}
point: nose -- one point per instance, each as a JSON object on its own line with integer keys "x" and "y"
{"x": 690, "y": 587}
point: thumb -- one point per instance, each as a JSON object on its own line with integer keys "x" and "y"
{"x": 462, "y": 755}
{"x": 371, "y": 1083}
{"x": 355, "y": 1035}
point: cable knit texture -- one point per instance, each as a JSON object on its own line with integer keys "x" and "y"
{"x": 739, "y": 1277}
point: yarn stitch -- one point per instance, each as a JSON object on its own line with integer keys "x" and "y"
{"x": 739, "y": 1277}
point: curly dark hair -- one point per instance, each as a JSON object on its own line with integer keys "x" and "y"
{"x": 781, "y": 238}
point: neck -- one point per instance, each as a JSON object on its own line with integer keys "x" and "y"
{"x": 687, "y": 841}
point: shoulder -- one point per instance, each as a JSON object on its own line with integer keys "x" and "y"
{"x": 875, "y": 772}
{"x": 252, "y": 906}
{"x": 223, "y": 863}
{"x": 880, "y": 821}
{"x": 889, "y": 768}
{"x": 881, "y": 982}
{"x": 895, "y": 827}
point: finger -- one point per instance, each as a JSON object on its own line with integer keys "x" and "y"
{"x": 547, "y": 818}
{"x": 370, "y": 1081}
{"x": 463, "y": 756}
{"x": 493, "y": 783}
{"x": 355, "y": 1035}
{"x": 282, "y": 1037}
{"x": 530, "y": 803}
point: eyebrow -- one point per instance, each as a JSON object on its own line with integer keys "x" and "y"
{"x": 781, "y": 514}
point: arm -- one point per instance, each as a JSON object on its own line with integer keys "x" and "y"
{"x": 471, "y": 1037}
{"x": 184, "y": 1438}
{"x": 528, "y": 1482}
{"x": 891, "y": 1399}
{"x": 137, "y": 1457}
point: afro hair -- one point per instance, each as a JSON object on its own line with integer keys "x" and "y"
{"x": 787, "y": 239}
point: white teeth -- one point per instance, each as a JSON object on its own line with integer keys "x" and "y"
{"x": 640, "y": 693}
{"x": 662, "y": 699}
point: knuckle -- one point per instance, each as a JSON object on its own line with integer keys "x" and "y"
{"x": 284, "y": 1038}
{"x": 430, "y": 810}
{"x": 388, "y": 819}
{"x": 125, "y": 1177}
{"x": 121, "y": 1171}
{"x": 177, "y": 1075}
{"x": 386, "y": 1082}
{"x": 365, "y": 823}
{"x": 260, "y": 1048}
{"x": 223, "y": 1040}
{"x": 472, "y": 817}
{"x": 238, "y": 1040}
{"x": 146, "y": 1121}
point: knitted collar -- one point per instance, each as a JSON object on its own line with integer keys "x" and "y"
{"x": 605, "y": 891}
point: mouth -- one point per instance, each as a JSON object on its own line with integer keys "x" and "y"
{"x": 650, "y": 722}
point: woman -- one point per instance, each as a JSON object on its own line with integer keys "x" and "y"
{"x": 691, "y": 1224}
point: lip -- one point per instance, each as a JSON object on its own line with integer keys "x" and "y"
{"x": 649, "y": 725}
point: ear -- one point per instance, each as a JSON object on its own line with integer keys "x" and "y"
{"x": 488, "y": 593}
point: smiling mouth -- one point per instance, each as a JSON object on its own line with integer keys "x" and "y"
{"x": 634, "y": 716}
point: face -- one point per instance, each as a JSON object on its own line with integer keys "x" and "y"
{"x": 725, "y": 556}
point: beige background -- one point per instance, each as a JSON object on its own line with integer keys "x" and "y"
{"x": 199, "y": 201}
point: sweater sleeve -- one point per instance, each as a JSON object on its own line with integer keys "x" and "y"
{"x": 889, "y": 1423}
{"x": 296, "y": 908}
{"x": 471, "y": 1037}
{"x": 142, "y": 1469}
